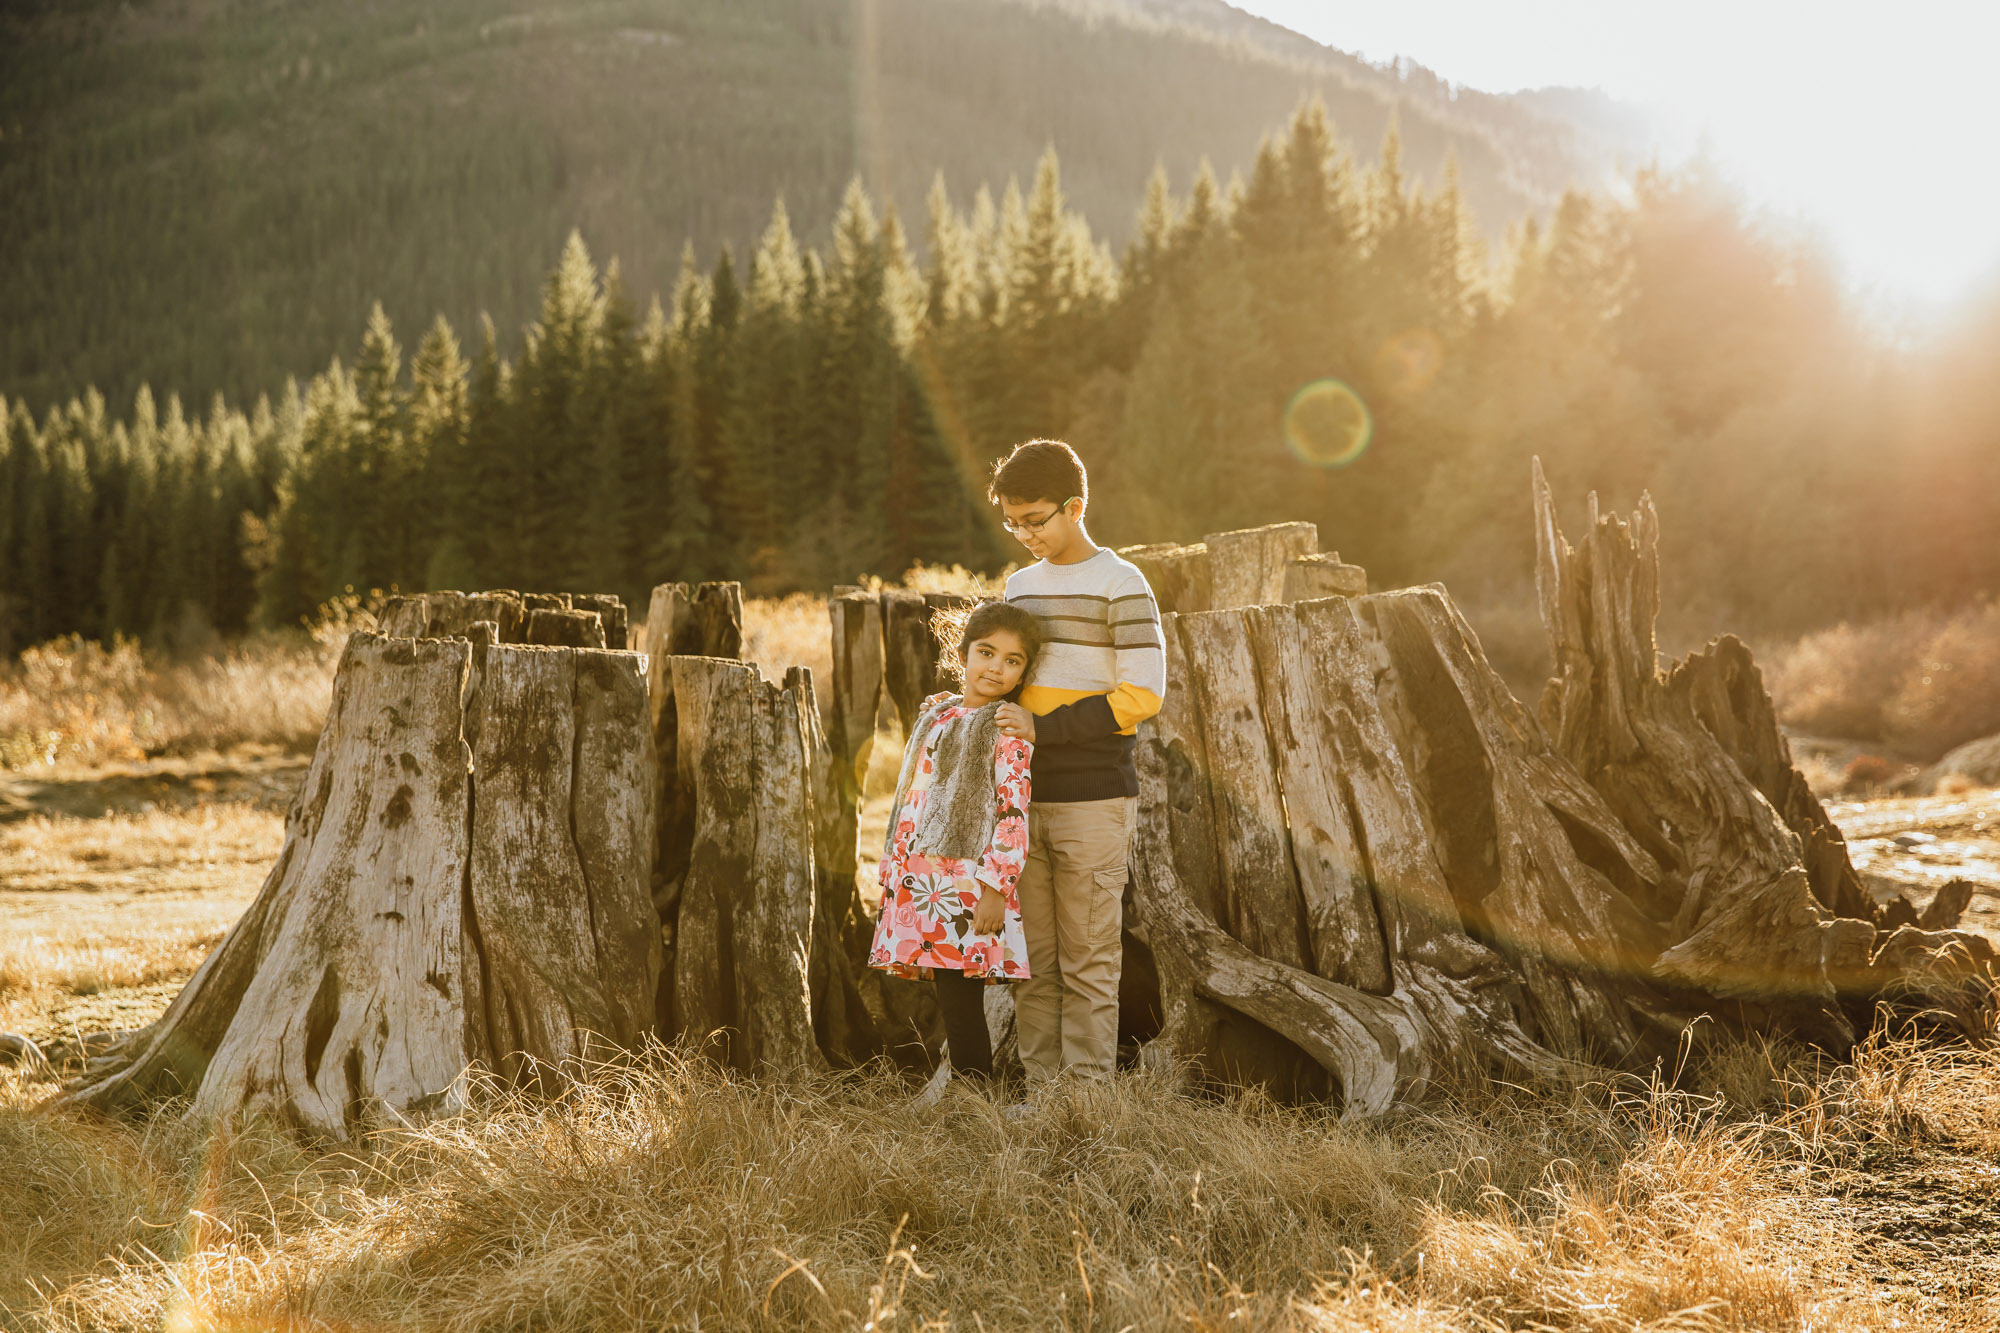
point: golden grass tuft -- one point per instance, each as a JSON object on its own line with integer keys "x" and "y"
{"x": 782, "y": 632}
{"x": 673, "y": 1194}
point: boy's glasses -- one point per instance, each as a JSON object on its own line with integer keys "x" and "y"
{"x": 1028, "y": 525}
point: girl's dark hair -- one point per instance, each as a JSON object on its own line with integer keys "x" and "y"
{"x": 957, "y": 628}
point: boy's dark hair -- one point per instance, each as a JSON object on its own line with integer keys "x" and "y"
{"x": 957, "y": 628}
{"x": 1039, "y": 470}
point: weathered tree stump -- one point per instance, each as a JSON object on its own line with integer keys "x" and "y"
{"x": 739, "y": 914}
{"x": 462, "y": 881}
{"x": 1312, "y": 576}
{"x": 705, "y": 621}
{"x": 910, "y": 651}
{"x": 1181, "y": 577}
{"x": 1751, "y": 900}
{"x": 1354, "y": 845}
{"x": 1249, "y": 564}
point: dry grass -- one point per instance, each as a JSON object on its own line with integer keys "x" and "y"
{"x": 781, "y": 632}
{"x": 1919, "y": 682}
{"x": 73, "y": 702}
{"x": 675, "y": 1195}
{"x": 158, "y": 849}
{"x": 90, "y": 908}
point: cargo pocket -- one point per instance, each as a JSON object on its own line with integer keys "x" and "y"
{"x": 1107, "y": 910}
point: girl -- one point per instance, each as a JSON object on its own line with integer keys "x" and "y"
{"x": 959, "y": 833}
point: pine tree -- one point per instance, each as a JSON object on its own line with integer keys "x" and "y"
{"x": 483, "y": 524}
{"x": 859, "y": 378}
{"x": 680, "y": 545}
{"x": 382, "y": 503}
{"x": 440, "y": 420}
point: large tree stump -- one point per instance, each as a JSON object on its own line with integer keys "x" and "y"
{"x": 740, "y": 916}
{"x": 462, "y": 880}
{"x": 1355, "y": 846}
{"x": 1750, "y": 899}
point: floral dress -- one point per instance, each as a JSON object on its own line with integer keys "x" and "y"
{"x": 926, "y": 919}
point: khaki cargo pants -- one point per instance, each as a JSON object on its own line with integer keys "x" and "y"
{"x": 1072, "y": 892}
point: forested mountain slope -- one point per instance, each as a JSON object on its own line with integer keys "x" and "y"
{"x": 208, "y": 196}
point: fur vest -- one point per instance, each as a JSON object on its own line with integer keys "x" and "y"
{"x": 963, "y": 807}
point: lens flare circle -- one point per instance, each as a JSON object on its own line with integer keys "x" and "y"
{"x": 1327, "y": 424}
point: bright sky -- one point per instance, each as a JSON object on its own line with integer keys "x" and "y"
{"x": 1874, "y": 123}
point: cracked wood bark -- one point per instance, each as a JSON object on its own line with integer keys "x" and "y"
{"x": 910, "y": 651}
{"x": 743, "y": 920}
{"x": 1181, "y": 577}
{"x": 1430, "y": 896}
{"x": 703, "y": 621}
{"x": 1736, "y": 901}
{"x": 1248, "y": 565}
{"x": 462, "y": 879}
{"x": 562, "y": 832}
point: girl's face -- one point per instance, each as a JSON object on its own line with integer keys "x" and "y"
{"x": 993, "y": 665}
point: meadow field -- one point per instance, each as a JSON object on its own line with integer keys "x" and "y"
{"x": 1756, "y": 1184}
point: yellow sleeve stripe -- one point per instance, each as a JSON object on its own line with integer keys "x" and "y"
{"x": 1130, "y": 705}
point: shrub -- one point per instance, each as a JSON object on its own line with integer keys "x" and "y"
{"x": 1918, "y": 682}
{"x": 1951, "y": 693}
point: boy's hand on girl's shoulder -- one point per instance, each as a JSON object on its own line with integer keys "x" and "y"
{"x": 1016, "y": 721}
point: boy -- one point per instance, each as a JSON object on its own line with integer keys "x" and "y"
{"x": 1102, "y": 672}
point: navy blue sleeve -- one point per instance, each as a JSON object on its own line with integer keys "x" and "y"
{"x": 1086, "y": 720}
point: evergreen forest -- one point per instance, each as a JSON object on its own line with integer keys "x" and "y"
{"x": 795, "y": 415}
{"x": 212, "y": 196}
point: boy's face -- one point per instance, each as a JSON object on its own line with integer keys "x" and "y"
{"x": 1046, "y": 528}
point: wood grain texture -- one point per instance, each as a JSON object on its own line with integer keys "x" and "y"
{"x": 440, "y": 899}
{"x": 744, "y": 916}
{"x": 1308, "y": 577}
{"x": 1248, "y": 565}
{"x": 705, "y": 620}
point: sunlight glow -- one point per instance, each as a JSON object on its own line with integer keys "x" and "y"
{"x": 1863, "y": 122}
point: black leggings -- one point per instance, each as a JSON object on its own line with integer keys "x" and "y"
{"x": 962, "y": 1001}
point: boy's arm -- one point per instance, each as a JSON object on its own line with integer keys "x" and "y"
{"x": 1142, "y": 676}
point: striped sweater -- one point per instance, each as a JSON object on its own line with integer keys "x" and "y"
{"x": 1102, "y": 672}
